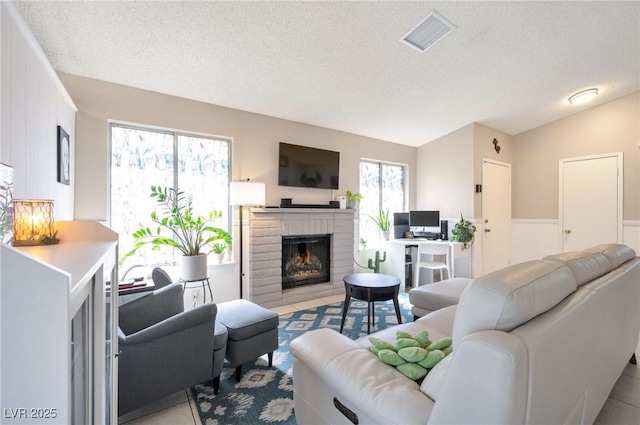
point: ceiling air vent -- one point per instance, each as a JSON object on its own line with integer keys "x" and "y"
{"x": 428, "y": 32}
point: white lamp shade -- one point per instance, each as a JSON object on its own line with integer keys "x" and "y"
{"x": 247, "y": 193}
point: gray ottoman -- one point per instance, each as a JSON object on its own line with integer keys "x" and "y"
{"x": 434, "y": 296}
{"x": 252, "y": 331}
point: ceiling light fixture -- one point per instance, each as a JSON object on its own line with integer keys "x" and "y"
{"x": 583, "y": 96}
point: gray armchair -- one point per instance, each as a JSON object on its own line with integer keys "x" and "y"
{"x": 164, "y": 349}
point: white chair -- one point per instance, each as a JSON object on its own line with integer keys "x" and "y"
{"x": 431, "y": 249}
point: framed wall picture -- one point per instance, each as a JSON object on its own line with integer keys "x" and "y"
{"x": 6, "y": 203}
{"x": 64, "y": 155}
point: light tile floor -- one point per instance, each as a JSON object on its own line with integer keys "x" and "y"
{"x": 621, "y": 408}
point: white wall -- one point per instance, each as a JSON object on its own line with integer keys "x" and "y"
{"x": 33, "y": 103}
{"x": 445, "y": 175}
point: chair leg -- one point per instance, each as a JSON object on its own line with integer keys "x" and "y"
{"x": 270, "y": 355}
{"x": 238, "y": 373}
{"x": 633, "y": 360}
{"x": 216, "y": 385}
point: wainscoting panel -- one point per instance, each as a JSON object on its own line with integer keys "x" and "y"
{"x": 532, "y": 239}
{"x": 631, "y": 234}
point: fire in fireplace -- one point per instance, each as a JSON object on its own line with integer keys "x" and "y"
{"x": 305, "y": 260}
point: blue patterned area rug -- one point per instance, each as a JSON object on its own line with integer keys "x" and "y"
{"x": 264, "y": 395}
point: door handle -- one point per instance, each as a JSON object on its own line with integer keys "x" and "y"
{"x": 487, "y": 230}
{"x": 567, "y": 232}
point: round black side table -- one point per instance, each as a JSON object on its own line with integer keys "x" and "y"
{"x": 370, "y": 287}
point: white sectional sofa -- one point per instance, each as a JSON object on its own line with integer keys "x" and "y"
{"x": 542, "y": 342}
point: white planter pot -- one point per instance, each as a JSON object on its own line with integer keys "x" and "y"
{"x": 217, "y": 258}
{"x": 194, "y": 267}
{"x": 385, "y": 235}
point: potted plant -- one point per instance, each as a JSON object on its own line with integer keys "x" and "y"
{"x": 188, "y": 232}
{"x": 463, "y": 231}
{"x": 383, "y": 223}
{"x": 219, "y": 249}
{"x": 353, "y": 199}
{"x": 363, "y": 244}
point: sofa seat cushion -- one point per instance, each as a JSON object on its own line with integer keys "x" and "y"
{"x": 507, "y": 298}
{"x": 438, "y": 324}
{"x": 434, "y": 296}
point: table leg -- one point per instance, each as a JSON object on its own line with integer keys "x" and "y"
{"x": 373, "y": 314}
{"x": 397, "y": 307}
{"x": 210, "y": 292}
{"x": 368, "y": 317}
{"x": 347, "y": 300}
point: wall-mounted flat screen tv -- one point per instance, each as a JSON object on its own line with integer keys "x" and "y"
{"x": 301, "y": 166}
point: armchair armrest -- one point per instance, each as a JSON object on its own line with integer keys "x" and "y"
{"x": 176, "y": 323}
{"x": 151, "y": 309}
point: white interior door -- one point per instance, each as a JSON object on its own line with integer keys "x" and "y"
{"x": 590, "y": 201}
{"x": 496, "y": 215}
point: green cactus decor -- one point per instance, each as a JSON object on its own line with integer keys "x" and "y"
{"x": 375, "y": 265}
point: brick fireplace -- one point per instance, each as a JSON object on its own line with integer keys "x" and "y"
{"x": 270, "y": 227}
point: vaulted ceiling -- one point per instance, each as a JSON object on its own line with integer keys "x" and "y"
{"x": 508, "y": 65}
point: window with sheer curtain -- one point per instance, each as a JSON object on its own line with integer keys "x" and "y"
{"x": 142, "y": 157}
{"x": 382, "y": 186}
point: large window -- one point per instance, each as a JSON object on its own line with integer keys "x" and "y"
{"x": 382, "y": 186}
{"x": 142, "y": 157}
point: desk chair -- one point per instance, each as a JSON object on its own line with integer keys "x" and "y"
{"x": 426, "y": 248}
{"x": 160, "y": 277}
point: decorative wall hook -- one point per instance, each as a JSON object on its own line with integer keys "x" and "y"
{"x": 496, "y": 146}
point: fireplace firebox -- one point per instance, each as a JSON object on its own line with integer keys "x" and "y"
{"x": 305, "y": 260}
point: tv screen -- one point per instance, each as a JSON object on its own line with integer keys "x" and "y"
{"x": 301, "y": 166}
{"x": 424, "y": 218}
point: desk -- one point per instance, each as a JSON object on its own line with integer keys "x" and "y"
{"x": 135, "y": 288}
{"x": 395, "y": 264}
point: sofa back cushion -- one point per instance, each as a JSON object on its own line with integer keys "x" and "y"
{"x": 509, "y": 297}
{"x": 594, "y": 262}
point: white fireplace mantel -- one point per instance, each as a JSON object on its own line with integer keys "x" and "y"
{"x": 267, "y": 226}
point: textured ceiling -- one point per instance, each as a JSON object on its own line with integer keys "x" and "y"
{"x": 340, "y": 65}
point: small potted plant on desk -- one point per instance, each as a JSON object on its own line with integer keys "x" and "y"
{"x": 383, "y": 222}
{"x": 188, "y": 232}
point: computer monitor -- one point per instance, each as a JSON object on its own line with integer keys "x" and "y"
{"x": 424, "y": 218}
{"x": 400, "y": 224}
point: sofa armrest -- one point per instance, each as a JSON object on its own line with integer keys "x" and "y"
{"x": 176, "y": 323}
{"x": 328, "y": 365}
{"x": 151, "y": 308}
{"x": 486, "y": 382}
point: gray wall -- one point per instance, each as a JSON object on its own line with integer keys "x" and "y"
{"x": 610, "y": 127}
{"x": 255, "y": 141}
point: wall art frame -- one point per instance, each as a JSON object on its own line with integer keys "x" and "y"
{"x": 64, "y": 157}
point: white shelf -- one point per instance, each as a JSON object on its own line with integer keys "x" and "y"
{"x": 42, "y": 288}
